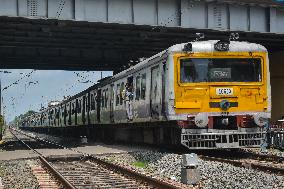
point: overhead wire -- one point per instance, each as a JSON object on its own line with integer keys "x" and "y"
{"x": 17, "y": 81}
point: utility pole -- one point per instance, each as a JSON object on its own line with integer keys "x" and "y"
{"x": 1, "y": 117}
{"x": 0, "y": 98}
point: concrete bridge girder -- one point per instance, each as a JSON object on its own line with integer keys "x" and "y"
{"x": 80, "y": 45}
{"x": 111, "y": 34}
{"x": 173, "y": 13}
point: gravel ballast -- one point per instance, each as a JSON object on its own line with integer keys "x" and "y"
{"x": 213, "y": 174}
{"x": 17, "y": 174}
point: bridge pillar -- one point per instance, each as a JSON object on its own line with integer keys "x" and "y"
{"x": 277, "y": 83}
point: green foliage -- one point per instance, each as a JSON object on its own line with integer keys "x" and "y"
{"x": 140, "y": 164}
{"x": 1, "y": 171}
{"x": 1, "y": 126}
{"x": 22, "y": 116}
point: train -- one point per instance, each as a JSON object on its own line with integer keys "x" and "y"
{"x": 208, "y": 94}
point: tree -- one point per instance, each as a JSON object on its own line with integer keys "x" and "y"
{"x": 18, "y": 119}
{"x": 1, "y": 126}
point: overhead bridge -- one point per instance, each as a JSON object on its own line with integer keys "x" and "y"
{"x": 113, "y": 34}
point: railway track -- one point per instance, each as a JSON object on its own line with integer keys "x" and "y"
{"x": 266, "y": 163}
{"x": 83, "y": 170}
{"x": 243, "y": 154}
{"x": 88, "y": 174}
{"x": 61, "y": 180}
{"x": 92, "y": 172}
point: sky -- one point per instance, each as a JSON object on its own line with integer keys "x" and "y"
{"x": 24, "y": 90}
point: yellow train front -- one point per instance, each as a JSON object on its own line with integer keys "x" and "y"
{"x": 222, "y": 95}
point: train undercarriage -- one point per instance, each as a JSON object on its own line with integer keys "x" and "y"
{"x": 166, "y": 134}
{"x": 224, "y": 139}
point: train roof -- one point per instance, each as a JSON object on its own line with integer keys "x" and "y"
{"x": 198, "y": 46}
{"x": 208, "y": 46}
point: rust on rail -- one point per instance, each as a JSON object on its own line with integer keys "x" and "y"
{"x": 247, "y": 164}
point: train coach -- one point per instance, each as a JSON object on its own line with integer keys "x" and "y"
{"x": 202, "y": 95}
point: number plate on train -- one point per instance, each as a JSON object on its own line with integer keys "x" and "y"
{"x": 224, "y": 91}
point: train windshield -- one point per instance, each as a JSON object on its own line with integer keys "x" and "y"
{"x": 195, "y": 70}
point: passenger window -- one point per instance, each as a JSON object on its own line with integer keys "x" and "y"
{"x": 86, "y": 104}
{"x": 57, "y": 113}
{"x": 121, "y": 93}
{"x": 106, "y": 98}
{"x": 79, "y": 107}
{"x": 143, "y": 86}
{"x": 117, "y": 94}
{"x": 137, "y": 92}
{"x": 93, "y": 102}
{"x": 73, "y": 108}
{"x": 103, "y": 99}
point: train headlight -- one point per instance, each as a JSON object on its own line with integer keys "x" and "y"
{"x": 222, "y": 46}
{"x": 225, "y": 121}
{"x": 260, "y": 119}
{"x": 201, "y": 120}
{"x": 187, "y": 47}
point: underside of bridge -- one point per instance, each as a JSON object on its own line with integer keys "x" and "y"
{"x": 114, "y": 34}
{"x": 80, "y": 45}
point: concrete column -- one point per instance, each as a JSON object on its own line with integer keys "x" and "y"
{"x": 277, "y": 83}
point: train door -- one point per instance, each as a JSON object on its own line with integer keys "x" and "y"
{"x": 56, "y": 120}
{"x": 73, "y": 113}
{"x": 93, "y": 114}
{"x": 163, "y": 90}
{"x": 88, "y": 108}
{"x": 69, "y": 113}
{"x": 49, "y": 117}
{"x": 76, "y": 111}
{"x": 64, "y": 114}
{"x": 84, "y": 110}
{"x": 98, "y": 99}
{"x": 155, "y": 93}
{"x": 129, "y": 103}
{"x": 60, "y": 115}
{"x": 111, "y": 103}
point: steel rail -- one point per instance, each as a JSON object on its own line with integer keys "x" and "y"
{"x": 243, "y": 154}
{"x": 58, "y": 175}
{"x": 152, "y": 181}
{"x": 266, "y": 157}
{"x": 133, "y": 174}
{"x": 239, "y": 163}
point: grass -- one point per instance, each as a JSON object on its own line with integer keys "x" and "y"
{"x": 1, "y": 172}
{"x": 2, "y": 142}
{"x": 140, "y": 164}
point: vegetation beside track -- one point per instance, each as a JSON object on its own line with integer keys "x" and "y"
{"x": 1, "y": 127}
{"x": 140, "y": 164}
